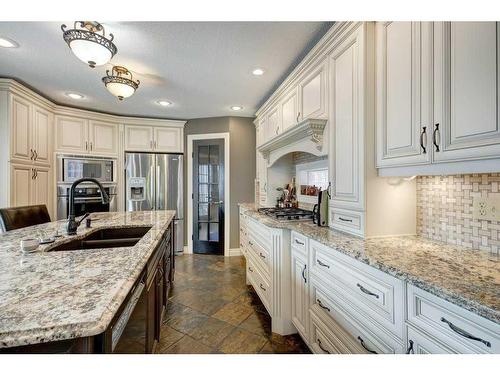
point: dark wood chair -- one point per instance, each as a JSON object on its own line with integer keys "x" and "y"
{"x": 19, "y": 217}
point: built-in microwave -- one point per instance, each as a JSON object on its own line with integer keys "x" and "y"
{"x": 72, "y": 168}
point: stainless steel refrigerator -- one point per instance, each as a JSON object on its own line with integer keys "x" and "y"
{"x": 155, "y": 182}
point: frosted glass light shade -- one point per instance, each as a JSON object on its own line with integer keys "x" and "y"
{"x": 91, "y": 53}
{"x": 120, "y": 90}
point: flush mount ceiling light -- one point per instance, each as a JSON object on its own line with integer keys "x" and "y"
{"x": 120, "y": 82}
{"x": 236, "y": 108}
{"x": 74, "y": 95}
{"x": 88, "y": 45}
{"x": 7, "y": 43}
{"x": 258, "y": 72}
{"x": 164, "y": 103}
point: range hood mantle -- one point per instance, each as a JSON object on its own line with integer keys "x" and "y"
{"x": 306, "y": 136}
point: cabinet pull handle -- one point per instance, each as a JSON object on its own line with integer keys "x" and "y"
{"x": 298, "y": 115}
{"x": 322, "y": 264}
{"x": 321, "y": 346}
{"x": 36, "y": 174}
{"x": 366, "y": 291}
{"x": 364, "y": 346}
{"x": 435, "y": 135}
{"x": 32, "y": 174}
{"x": 343, "y": 219}
{"x": 410, "y": 348}
{"x": 322, "y": 306}
{"x": 36, "y": 155}
{"x": 422, "y": 138}
{"x": 304, "y": 274}
{"x": 90, "y": 146}
{"x": 155, "y": 144}
{"x": 262, "y": 255}
{"x": 250, "y": 269}
{"x": 250, "y": 243}
{"x": 463, "y": 333}
{"x": 32, "y": 155}
{"x": 86, "y": 146}
{"x": 298, "y": 242}
{"x": 261, "y": 287}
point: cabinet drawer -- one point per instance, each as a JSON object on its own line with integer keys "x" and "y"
{"x": 459, "y": 329}
{"x": 259, "y": 282}
{"x": 299, "y": 242}
{"x": 372, "y": 295}
{"x": 261, "y": 254}
{"x": 346, "y": 220}
{"x": 364, "y": 337}
{"x": 260, "y": 233}
{"x": 331, "y": 338}
{"x": 420, "y": 343}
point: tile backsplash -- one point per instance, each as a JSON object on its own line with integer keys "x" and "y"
{"x": 445, "y": 206}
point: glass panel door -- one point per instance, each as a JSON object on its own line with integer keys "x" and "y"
{"x": 208, "y": 197}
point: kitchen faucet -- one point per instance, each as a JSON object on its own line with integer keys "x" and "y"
{"x": 72, "y": 223}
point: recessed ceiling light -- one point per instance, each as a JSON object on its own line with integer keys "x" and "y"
{"x": 236, "y": 108}
{"x": 258, "y": 72}
{"x": 8, "y": 43}
{"x": 164, "y": 103}
{"x": 74, "y": 95}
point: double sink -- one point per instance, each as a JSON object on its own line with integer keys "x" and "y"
{"x": 105, "y": 238}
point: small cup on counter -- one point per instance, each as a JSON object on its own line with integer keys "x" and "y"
{"x": 29, "y": 245}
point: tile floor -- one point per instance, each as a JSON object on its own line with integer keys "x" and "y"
{"x": 212, "y": 310}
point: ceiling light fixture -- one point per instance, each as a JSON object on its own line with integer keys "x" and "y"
{"x": 120, "y": 82}
{"x": 88, "y": 45}
{"x": 258, "y": 72}
{"x": 8, "y": 43}
{"x": 236, "y": 108}
{"x": 164, "y": 103}
{"x": 74, "y": 95}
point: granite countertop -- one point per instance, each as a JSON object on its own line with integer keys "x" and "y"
{"x": 465, "y": 277}
{"x": 50, "y": 296}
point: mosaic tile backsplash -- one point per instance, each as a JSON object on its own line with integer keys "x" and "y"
{"x": 445, "y": 207}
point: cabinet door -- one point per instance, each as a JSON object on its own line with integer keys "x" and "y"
{"x": 21, "y": 148}
{"x": 40, "y": 188}
{"x": 138, "y": 138}
{"x": 300, "y": 303}
{"x": 21, "y": 177}
{"x": 466, "y": 96}
{"x": 261, "y": 129}
{"x": 71, "y": 134}
{"x": 103, "y": 138}
{"x": 313, "y": 93}
{"x": 346, "y": 127}
{"x": 262, "y": 173}
{"x": 289, "y": 113}
{"x": 404, "y": 93}
{"x": 168, "y": 139}
{"x": 273, "y": 123}
{"x": 42, "y": 134}
{"x": 421, "y": 343}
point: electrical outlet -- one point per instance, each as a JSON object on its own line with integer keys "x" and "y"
{"x": 486, "y": 208}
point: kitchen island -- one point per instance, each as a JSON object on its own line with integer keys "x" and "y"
{"x": 76, "y": 300}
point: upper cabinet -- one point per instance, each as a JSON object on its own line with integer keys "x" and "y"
{"x": 466, "y": 91}
{"x": 404, "y": 92}
{"x": 31, "y": 132}
{"x": 83, "y": 136}
{"x": 313, "y": 93}
{"x": 154, "y": 138}
{"x": 437, "y": 97}
{"x": 289, "y": 109}
{"x": 273, "y": 123}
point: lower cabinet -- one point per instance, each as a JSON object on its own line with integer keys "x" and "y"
{"x": 300, "y": 285}
{"x": 30, "y": 185}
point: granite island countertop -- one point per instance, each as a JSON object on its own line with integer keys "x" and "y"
{"x": 51, "y": 296}
{"x": 468, "y": 278}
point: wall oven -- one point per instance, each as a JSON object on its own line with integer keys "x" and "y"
{"x": 87, "y": 199}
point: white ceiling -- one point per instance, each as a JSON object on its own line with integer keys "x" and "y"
{"x": 203, "y": 68}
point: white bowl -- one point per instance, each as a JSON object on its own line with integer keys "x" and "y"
{"x": 29, "y": 244}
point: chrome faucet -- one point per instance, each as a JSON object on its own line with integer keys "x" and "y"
{"x": 72, "y": 223}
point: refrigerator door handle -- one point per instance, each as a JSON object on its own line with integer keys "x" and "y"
{"x": 152, "y": 184}
{"x": 157, "y": 197}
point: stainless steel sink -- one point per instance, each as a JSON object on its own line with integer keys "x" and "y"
{"x": 105, "y": 238}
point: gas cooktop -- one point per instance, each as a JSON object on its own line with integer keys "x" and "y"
{"x": 287, "y": 213}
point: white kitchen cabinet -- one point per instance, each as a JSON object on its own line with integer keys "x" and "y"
{"x": 404, "y": 92}
{"x": 72, "y": 134}
{"x": 273, "y": 123}
{"x": 42, "y": 135}
{"x": 466, "y": 92}
{"x": 299, "y": 283}
{"x": 419, "y": 343}
{"x": 21, "y": 148}
{"x": 289, "y": 110}
{"x": 20, "y": 188}
{"x": 153, "y": 139}
{"x": 313, "y": 92}
{"x": 168, "y": 139}
{"x": 103, "y": 138}
{"x": 41, "y": 186}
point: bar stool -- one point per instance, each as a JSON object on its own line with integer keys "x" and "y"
{"x": 19, "y": 217}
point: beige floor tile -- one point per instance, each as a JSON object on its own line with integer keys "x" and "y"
{"x": 242, "y": 342}
{"x": 233, "y": 313}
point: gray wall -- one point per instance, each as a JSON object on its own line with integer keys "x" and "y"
{"x": 242, "y": 163}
